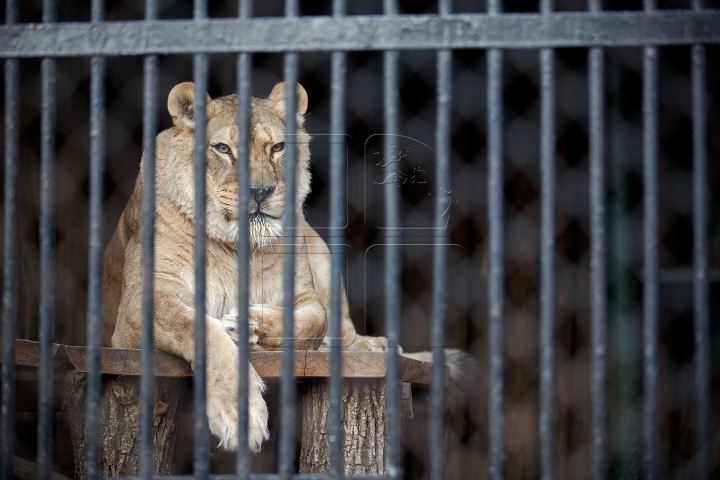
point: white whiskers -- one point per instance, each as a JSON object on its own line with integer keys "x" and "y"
{"x": 264, "y": 230}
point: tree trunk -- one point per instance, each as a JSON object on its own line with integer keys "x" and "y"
{"x": 364, "y": 417}
{"x": 120, "y": 425}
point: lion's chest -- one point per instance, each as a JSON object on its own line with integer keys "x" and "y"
{"x": 266, "y": 282}
{"x": 222, "y": 279}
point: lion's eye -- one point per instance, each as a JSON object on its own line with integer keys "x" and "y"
{"x": 278, "y": 147}
{"x": 222, "y": 148}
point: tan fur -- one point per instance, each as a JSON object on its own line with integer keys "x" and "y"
{"x": 174, "y": 252}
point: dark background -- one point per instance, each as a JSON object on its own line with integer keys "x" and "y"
{"x": 467, "y": 443}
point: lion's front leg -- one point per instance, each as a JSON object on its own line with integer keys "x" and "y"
{"x": 176, "y": 336}
{"x": 222, "y": 392}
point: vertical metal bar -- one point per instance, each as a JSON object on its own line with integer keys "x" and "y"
{"x": 703, "y": 464}
{"x": 496, "y": 273}
{"x": 443, "y": 197}
{"x": 598, "y": 306}
{"x": 287, "y": 387}
{"x": 147, "y": 381}
{"x": 392, "y": 254}
{"x": 202, "y": 440}
{"x": 10, "y": 256}
{"x": 95, "y": 253}
{"x": 650, "y": 260}
{"x": 547, "y": 256}
{"x": 337, "y": 210}
{"x": 244, "y": 74}
{"x": 47, "y": 255}
{"x": 439, "y": 290}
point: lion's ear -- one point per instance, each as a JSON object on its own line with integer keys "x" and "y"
{"x": 277, "y": 98}
{"x": 181, "y": 104}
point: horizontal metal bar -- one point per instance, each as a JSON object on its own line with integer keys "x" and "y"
{"x": 680, "y": 275}
{"x": 406, "y": 32}
{"x": 262, "y": 476}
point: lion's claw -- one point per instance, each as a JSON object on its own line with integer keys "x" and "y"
{"x": 230, "y": 322}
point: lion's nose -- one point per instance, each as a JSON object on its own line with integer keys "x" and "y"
{"x": 260, "y": 193}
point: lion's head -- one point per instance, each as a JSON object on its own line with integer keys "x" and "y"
{"x": 268, "y": 145}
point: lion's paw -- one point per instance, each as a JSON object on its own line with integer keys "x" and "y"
{"x": 376, "y": 344}
{"x": 230, "y": 322}
{"x": 257, "y": 423}
{"x": 224, "y": 424}
{"x": 363, "y": 343}
{"x": 223, "y": 415}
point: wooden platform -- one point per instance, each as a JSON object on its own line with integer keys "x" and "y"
{"x": 308, "y": 364}
{"x": 364, "y": 404}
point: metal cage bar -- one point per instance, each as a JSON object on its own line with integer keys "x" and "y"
{"x": 443, "y": 194}
{"x": 496, "y": 280}
{"x": 202, "y": 435}
{"x": 598, "y": 303}
{"x": 342, "y": 33}
{"x": 547, "y": 256}
{"x": 392, "y": 251}
{"x": 363, "y": 32}
{"x": 337, "y": 202}
{"x": 287, "y": 386}
{"x": 244, "y": 76}
{"x": 147, "y": 380}
{"x": 95, "y": 253}
{"x": 47, "y": 253}
{"x": 10, "y": 254}
{"x": 703, "y": 466}
{"x": 650, "y": 257}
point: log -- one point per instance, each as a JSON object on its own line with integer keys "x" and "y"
{"x": 363, "y": 405}
{"x": 363, "y": 416}
{"x": 120, "y": 425}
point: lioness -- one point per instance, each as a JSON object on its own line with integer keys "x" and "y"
{"x": 174, "y": 256}
{"x": 174, "y": 251}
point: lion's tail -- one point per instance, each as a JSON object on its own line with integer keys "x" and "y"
{"x": 463, "y": 369}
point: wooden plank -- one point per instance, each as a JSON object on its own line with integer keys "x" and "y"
{"x": 27, "y": 352}
{"x": 415, "y": 371}
{"x": 311, "y": 364}
{"x": 26, "y": 470}
{"x": 308, "y": 364}
{"x": 125, "y": 361}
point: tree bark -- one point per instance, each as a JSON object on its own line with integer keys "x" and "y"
{"x": 120, "y": 423}
{"x": 363, "y": 416}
